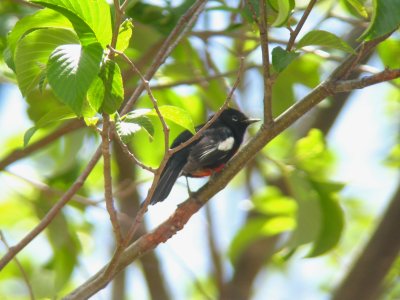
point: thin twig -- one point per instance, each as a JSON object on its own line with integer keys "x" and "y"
{"x": 268, "y": 81}
{"x": 214, "y": 117}
{"x": 108, "y": 194}
{"x": 176, "y": 35}
{"x": 53, "y": 212}
{"x": 145, "y": 82}
{"x": 131, "y": 156}
{"x": 20, "y": 267}
{"x": 349, "y": 85}
{"x": 295, "y": 33}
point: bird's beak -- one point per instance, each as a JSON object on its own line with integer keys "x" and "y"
{"x": 251, "y": 121}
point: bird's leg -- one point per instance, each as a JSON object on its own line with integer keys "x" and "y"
{"x": 188, "y": 187}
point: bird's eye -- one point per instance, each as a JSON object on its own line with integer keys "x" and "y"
{"x": 235, "y": 118}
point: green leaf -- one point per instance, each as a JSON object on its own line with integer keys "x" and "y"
{"x": 312, "y": 155}
{"x": 257, "y": 228}
{"x": 44, "y": 18}
{"x": 282, "y": 58}
{"x": 114, "y": 90}
{"x": 324, "y": 39}
{"x": 71, "y": 70}
{"x": 332, "y": 217}
{"x": 133, "y": 123}
{"x": 58, "y": 114}
{"x": 359, "y": 7}
{"x": 385, "y": 18}
{"x": 176, "y": 115}
{"x": 91, "y": 19}
{"x": 32, "y": 54}
{"x": 309, "y": 216}
{"x": 124, "y": 35}
{"x": 28, "y": 135}
{"x": 106, "y": 90}
{"x": 284, "y": 9}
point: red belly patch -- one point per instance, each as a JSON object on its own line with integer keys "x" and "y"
{"x": 206, "y": 172}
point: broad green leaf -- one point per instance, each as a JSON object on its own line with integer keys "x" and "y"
{"x": 106, "y": 90}
{"x": 309, "y": 215}
{"x": 284, "y": 9}
{"x": 91, "y": 19}
{"x": 385, "y": 18}
{"x": 258, "y": 228}
{"x": 282, "y": 58}
{"x": 312, "y": 155}
{"x": 176, "y": 115}
{"x": 129, "y": 126}
{"x": 332, "y": 217}
{"x": 124, "y": 35}
{"x": 278, "y": 214}
{"x": 32, "y": 54}
{"x": 270, "y": 202}
{"x": 44, "y": 18}
{"x": 324, "y": 39}
{"x": 70, "y": 71}
{"x": 114, "y": 90}
{"x": 359, "y": 7}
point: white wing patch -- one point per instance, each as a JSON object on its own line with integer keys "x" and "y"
{"x": 227, "y": 144}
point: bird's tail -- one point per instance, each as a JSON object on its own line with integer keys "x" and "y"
{"x": 168, "y": 177}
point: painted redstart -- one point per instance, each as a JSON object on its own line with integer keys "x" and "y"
{"x": 206, "y": 155}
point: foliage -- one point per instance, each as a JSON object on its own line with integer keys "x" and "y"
{"x": 60, "y": 58}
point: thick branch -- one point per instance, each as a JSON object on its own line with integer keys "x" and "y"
{"x": 380, "y": 252}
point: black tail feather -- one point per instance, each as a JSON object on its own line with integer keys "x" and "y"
{"x": 168, "y": 177}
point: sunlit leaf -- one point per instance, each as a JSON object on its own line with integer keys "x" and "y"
{"x": 124, "y": 35}
{"x": 312, "y": 155}
{"x": 359, "y": 7}
{"x": 106, "y": 90}
{"x": 44, "y": 18}
{"x": 32, "y": 54}
{"x": 176, "y": 115}
{"x": 324, "y": 39}
{"x": 385, "y": 18}
{"x": 71, "y": 70}
{"x": 284, "y": 9}
{"x": 91, "y": 19}
{"x": 132, "y": 123}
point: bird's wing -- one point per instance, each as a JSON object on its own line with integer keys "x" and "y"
{"x": 212, "y": 149}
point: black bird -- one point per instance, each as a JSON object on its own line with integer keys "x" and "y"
{"x": 206, "y": 155}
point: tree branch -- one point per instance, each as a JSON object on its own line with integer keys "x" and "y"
{"x": 349, "y": 85}
{"x": 185, "y": 210}
{"x": 268, "y": 81}
{"x": 295, "y": 33}
{"x": 380, "y": 252}
{"x": 48, "y": 218}
{"x": 176, "y": 35}
{"x": 18, "y": 154}
{"x": 20, "y": 267}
